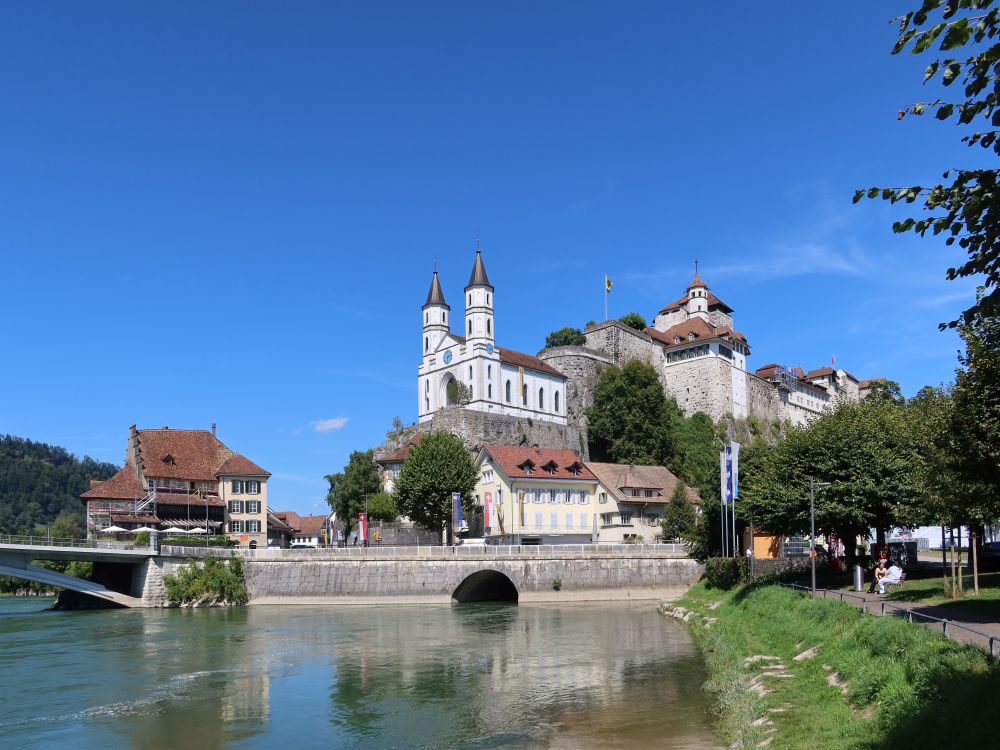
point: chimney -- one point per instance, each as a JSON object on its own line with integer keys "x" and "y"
{"x": 213, "y": 429}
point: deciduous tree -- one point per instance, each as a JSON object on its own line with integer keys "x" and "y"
{"x": 565, "y": 337}
{"x": 361, "y": 478}
{"x": 434, "y": 468}
{"x": 633, "y": 320}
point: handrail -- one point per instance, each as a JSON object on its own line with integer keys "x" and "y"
{"x": 946, "y": 624}
{"x": 46, "y": 541}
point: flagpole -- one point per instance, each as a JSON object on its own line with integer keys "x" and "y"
{"x": 605, "y": 297}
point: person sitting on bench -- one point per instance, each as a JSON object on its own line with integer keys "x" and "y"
{"x": 893, "y": 577}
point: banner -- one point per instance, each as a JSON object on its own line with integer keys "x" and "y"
{"x": 487, "y": 503}
{"x": 456, "y": 511}
{"x": 363, "y": 525}
{"x": 736, "y": 471}
{"x": 726, "y": 457}
{"x": 520, "y": 500}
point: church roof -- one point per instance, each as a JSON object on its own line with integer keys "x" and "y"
{"x": 528, "y": 362}
{"x": 434, "y": 295}
{"x": 479, "y": 277}
{"x": 713, "y": 302}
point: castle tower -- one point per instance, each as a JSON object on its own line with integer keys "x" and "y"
{"x": 479, "y": 304}
{"x": 435, "y": 316}
{"x": 697, "y": 303}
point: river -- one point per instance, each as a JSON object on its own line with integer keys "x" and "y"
{"x": 296, "y": 677}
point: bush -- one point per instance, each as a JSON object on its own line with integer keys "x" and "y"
{"x": 726, "y": 572}
{"x": 142, "y": 539}
{"x": 211, "y": 582}
{"x": 566, "y": 337}
{"x": 194, "y": 540}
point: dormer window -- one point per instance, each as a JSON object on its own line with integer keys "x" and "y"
{"x": 551, "y": 467}
{"x": 691, "y": 336}
{"x": 526, "y": 466}
{"x": 168, "y": 459}
{"x": 677, "y": 339}
{"x": 574, "y": 468}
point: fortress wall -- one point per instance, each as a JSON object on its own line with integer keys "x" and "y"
{"x": 582, "y": 367}
{"x": 622, "y": 343}
{"x": 702, "y": 384}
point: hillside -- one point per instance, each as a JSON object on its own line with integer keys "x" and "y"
{"x": 39, "y": 481}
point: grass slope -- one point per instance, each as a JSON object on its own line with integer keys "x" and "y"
{"x": 873, "y": 683}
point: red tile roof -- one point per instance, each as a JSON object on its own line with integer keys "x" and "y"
{"x": 192, "y": 455}
{"x": 713, "y": 302}
{"x": 820, "y": 372}
{"x": 240, "y": 465}
{"x": 618, "y": 477}
{"x": 701, "y": 328}
{"x": 866, "y": 384}
{"x": 399, "y": 455}
{"x": 767, "y": 371}
{"x": 696, "y": 281}
{"x": 310, "y": 525}
{"x": 511, "y": 458}
{"x": 528, "y": 362}
{"x": 122, "y": 486}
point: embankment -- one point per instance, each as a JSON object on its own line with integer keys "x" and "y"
{"x": 791, "y": 672}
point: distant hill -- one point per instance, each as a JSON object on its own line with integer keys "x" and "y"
{"x": 40, "y": 481}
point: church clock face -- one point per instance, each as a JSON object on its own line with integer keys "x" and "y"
{"x": 447, "y": 358}
{"x": 489, "y": 348}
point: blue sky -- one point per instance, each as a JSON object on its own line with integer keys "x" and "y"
{"x": 228, "y": 212}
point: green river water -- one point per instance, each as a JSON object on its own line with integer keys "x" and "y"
{"x": 470, "y": 676}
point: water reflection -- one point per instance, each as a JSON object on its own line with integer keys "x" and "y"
{"x": 458, "y": 676}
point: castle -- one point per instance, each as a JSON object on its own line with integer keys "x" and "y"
{"x": 485, "y": 393}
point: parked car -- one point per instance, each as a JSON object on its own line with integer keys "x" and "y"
{"x": 990, "y": 559}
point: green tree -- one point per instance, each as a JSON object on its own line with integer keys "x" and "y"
{"x": 697, "y": 450}
{"x": 867, "y": 452}
{"x": 360, "y": 479}
{"x": 382, "y": 507}
{"x": 458, "y": 392}
{"x": 434, "y": 468}
{"x": 633, "y": 320}
{"x": 631, "y": 421}
{"x": 565, "y": 337}
{"x": 679, "y": 517}
{"x": 966, "y": 207}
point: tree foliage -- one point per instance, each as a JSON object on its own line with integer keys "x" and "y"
{"x": 565, "y": 337}
{"x": 434, "y": 468}
{"x": 458, "y": 392}
{"x": 631, "y": 420}
{"x": 634, "y": 320}
{"x": 382, "y": 507}
{"x": 965, "y": 207}
{"x": 213, "y": 582}
{"x": 679, "y": 517}
{"x": 360, "y": 479}
{"x": 40, "y": 483}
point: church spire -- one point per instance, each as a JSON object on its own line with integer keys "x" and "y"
{"x": 696, "y": 281}
{"x": 479, "y": 277}
{"x": 434, "y": 295}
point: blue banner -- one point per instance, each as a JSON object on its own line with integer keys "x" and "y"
{"x": 456, "y": 510}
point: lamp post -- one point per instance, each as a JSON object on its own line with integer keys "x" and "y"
{"x": 813, "y": 484}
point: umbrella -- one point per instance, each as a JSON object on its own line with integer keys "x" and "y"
{"x": 113, "y": 530}
{"x": 194, "y": 531}
{"x": 174, "y": 530}
{"x": 143, "y": 528}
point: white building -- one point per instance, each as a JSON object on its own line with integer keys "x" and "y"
{"x": 497, "y": 379}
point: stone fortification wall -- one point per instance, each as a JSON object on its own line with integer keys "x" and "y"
{"x": 701, "y": 384}
{"x": 719, "y": 319}
{"x": 622, "y": 343}
{"x": 582, "y": 367}
{"x": 412, "y": 581}
{"x": 477, "y": 428}
{"x": 763, "y": 400}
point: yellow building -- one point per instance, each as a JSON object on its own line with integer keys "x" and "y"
{"x": 536, "y": 496}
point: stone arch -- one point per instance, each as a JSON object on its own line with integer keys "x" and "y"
{"x": 486, "y": 586}
{"x": 447, "y": 398}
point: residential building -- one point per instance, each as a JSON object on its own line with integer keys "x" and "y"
{"x": 310, "y": 530}
{"x": 535, "y": 495}
{"x": 392, "y": 464}
{"x": 186, "y": 479}
{"x": 631, "y": 500}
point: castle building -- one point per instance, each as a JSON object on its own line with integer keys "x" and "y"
{"x": 472, "y": 371}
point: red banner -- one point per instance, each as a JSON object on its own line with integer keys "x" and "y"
{"x": 363, "y": 525}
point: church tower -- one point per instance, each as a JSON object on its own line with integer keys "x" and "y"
{"x": 435, "y": 312}
{"x": 479, "y": 305}
{"x": 697, "y": 303}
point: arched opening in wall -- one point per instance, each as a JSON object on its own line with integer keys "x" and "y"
{"x": 557, "y": 402}
{"x": 524, "y": 394}
{"x": 507, "y": 392}
{"x": 426, "y": 343}
{"x": 489, "y": 329}
{"x": 541, "y": 398}
{"x": 450, "y": 391}
{"x": 486, "y": 586}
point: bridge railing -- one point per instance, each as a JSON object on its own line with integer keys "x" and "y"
{"x": 51, "y": 541}
{"x": 461, "y": 552}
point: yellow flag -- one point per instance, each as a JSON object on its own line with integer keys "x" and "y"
{"x": 607, "y": 284}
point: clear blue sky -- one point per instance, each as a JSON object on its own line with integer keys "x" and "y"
{"x": 228, "y": 212}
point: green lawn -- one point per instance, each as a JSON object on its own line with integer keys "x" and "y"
{"x": 898, "y": 685}
{"x": 930, "y": 590}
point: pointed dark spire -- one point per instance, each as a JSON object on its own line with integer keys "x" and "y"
{"x": 479, "y": 277}
{"x": 434, "y": 295}
{"x": 696, "y": 281}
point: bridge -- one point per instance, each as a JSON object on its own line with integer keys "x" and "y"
{"x": 409, "y": 575}
{"x": 17, "y": 553}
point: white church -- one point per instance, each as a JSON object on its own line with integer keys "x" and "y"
{"x": 495, "y": 379}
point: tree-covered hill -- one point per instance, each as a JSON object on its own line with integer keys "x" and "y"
{"x": 38, "y": 482}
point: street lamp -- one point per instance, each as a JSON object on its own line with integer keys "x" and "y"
{"x": 813, "y": 484}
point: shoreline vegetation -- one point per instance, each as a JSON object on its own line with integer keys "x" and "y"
{"x": 209, "y": 583}
{"x": 787, "y": 671}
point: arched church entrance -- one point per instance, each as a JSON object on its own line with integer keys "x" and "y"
{"x": 486, "y": 586}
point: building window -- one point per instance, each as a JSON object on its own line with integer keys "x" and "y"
{"x": 427, "y": 344}
{"x": 538, "y": 520}
{"x": 603, "y": 497}
{"x": 507, "y": 392}
{"x": 524, "y": 394}
{"x": 606, "y": 519}
{"x": 235, "y": 506}
{"x": 252, "y": 487}
{"x": 470, "y": 300}
{"x": 583, "y": 497}
{"x": 253, "y": 527}
{"x": 649, "y": 493}
{"x": 235, "y": 527}
{"x": 237, "y": 486}
{"x": 470, "y": 327}
{"x": 584, "y": 520}
{"x": 626, "y": 518}
{"x": 569, "y": 520}
{"x": 427, "y": 318}
{"x": 557, "y": 402}
{"x": 427, "y": 403}
{"x": 488, "y": 328}
{"x": 487, "y": 300}
{"x": 489, "y": 391}
{"x": 253, "y": 506}
{"x": 553, "y": 497}
{"x": 541, "y": 398}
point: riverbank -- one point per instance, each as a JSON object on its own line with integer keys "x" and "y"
{"x": 786, "y": 671}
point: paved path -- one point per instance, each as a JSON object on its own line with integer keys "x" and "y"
{"x": 983, "y": 625}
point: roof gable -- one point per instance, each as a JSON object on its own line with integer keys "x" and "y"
{"x": 124, "y": 485}
{"x": 618, "y": 477}
{"x": 513, "y": 460}
{"x": 240, "y": 465}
